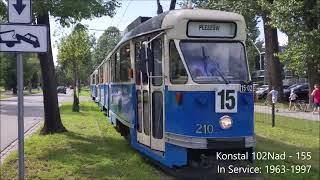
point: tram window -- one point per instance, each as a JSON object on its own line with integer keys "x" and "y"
{"x": 157, "y": 61}
{"x": 137, "y": 62}
{"x": 113, "y": 68}
{"x": 125, "y": 63}
{"x": 215, "y": 62}
{"x": 117, "y": 67}
{"x": 105, "y": 72}
{"x": 139, "y": 111}
{"x": 100, "y": 75}
{"x": 140, "y": 65}
{"x": 178, "y": 74}
{"x": 157, "y": 113}
{"x": 146, "y": 109}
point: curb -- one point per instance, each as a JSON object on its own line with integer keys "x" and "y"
{"x": 14, "y": 145}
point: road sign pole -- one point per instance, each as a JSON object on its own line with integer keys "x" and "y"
{"x": 20, "y": 115}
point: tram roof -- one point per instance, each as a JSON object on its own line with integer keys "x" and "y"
{"x": 169, "y": 19}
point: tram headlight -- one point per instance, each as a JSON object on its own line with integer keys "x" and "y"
{"x": 225, "y": 122}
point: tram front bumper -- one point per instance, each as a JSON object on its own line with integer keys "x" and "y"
{"x": 210, "y": 143}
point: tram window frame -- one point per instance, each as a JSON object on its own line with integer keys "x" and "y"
{"x": 117, "y": 66}
{"x": 139, "y": 64}
{"x": 100, "y": 75}
{"x": 96, "y": 78}
{"x": 113, "y": 68}
{"x": 105, "y": 73}
{"x": 125, "y": 63}
{"x": 137, "y": 60}
{"x": 157, "y": 81}
{"x": 179, "y": 62}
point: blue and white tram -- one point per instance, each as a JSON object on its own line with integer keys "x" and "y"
{"x": 176, "y": 84}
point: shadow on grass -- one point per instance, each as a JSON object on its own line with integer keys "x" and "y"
{"x": 94, "y": 156}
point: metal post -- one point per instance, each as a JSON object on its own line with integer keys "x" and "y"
{"x": 273, "y": 114}
{"x": 20, "y": 115}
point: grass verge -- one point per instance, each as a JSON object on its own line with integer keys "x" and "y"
{"x": 290, "y": 136}
{"x": 91, "y": 149}
{"x": 84, "y": 92}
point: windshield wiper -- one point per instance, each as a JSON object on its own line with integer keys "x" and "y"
{"x": 205, "y": 58}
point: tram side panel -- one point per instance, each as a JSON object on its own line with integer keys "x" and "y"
{"x": 97, "y": 99}
{"x": 122, "y": 104}
{"x": 93, "y": 91}
{"x": 195, "y": 116}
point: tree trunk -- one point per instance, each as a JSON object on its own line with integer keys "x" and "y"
{"x": 173, "y": 4}
{"x": 52, "y": 120}
{"x": 273, "y": 66}
{"x": 313, "y": 67}
{"x": 75, "y": 106}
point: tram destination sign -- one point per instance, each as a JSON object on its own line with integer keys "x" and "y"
{"x": 23, "y": 38}
{"x": 211, "y": 29}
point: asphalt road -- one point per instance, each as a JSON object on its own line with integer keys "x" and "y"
{"x": 33, "y": 114}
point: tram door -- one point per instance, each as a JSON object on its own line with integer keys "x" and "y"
{"x": 150, "y": 96}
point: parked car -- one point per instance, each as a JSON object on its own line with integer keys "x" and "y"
{"x": 262, "y": 91}
{"x": 302, "y": 90}
{"x": 62, "y": 89}
{"x": 297, "y": 88}
{"x": 287, "y": 91}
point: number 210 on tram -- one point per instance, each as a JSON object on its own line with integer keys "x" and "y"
{"x": 176, "y": 84}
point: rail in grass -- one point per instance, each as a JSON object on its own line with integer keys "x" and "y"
{"x": 176, "y": 85}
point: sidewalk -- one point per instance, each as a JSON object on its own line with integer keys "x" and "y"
{"x": 287, "y": 113}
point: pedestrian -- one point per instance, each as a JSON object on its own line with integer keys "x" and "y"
{"x": 274, "y": 97}
{"x": 316, "y": 98}
{"x": 292, "y": 99}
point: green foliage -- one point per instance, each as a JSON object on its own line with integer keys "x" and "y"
{"x": 2, "y": 12}
{"x": 69, "y": 12}
{"x": 75, "y": 57}
{"x": 63, "y": 78}
{"x": 74, "y": 50}
{"x": 106, "y": 43}
{"x": 299, "y": 20}
{"x": 8, "y": 73}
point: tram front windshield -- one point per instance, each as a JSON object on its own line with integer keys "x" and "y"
{"x": 215, "y": 62}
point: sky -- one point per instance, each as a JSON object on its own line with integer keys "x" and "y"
{"x": 129, "y": 11}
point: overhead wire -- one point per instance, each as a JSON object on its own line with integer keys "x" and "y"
{"x": 124, "y": 13}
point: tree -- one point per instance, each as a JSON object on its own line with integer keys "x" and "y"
{"x": 8, "y": 72}
{"x": 106, "y": 42}
{"x": 62, "y": 76}
{"x": 172, "y": 4}
{"x": 300, "y": 21}
{"x": 274, "y": 67}
{"x": 74, "y": 52}
{"x": 66, "y": 12}
{"x": 31, "y": 71}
